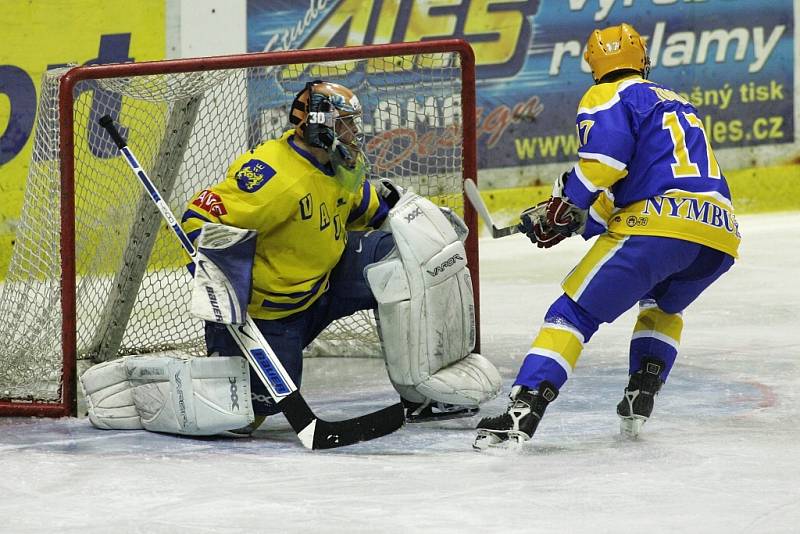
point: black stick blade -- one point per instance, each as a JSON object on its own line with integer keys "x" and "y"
{"x": 316, "y": 433}
{"x": 328, "y": 435}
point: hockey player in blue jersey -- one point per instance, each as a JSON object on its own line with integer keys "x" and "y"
{"x": 648, "y": 185}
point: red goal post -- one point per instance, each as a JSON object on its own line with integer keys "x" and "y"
{"x": 93, "y": 276}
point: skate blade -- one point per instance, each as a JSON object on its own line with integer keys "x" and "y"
{"x": 487, "y": 439}
{"x": 442, "y": 416}
{"x": 631, "y": 426}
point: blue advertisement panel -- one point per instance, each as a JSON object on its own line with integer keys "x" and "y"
{"x": 732, "y": 58}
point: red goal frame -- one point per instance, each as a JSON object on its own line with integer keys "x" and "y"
{"x": 67, "y": 406}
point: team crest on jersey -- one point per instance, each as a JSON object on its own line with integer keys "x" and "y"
{"x": 210, "y": 202}
{"x": 253, "y": 175}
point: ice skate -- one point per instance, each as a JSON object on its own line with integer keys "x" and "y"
{"x": 518, "y": 424}
{"x": 637, "y": 404}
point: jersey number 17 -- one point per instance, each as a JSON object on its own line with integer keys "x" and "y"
{"x": 684, "y": 167}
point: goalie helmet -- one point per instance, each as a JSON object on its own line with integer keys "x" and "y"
{"x": 616, "y": 48}
{"x": 328, "y": 115}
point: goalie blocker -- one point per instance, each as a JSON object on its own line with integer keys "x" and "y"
{"x": 426, "y": 309}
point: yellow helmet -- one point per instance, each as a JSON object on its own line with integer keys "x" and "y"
{"x": 616, "y": 48}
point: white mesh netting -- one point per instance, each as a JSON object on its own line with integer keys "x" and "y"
{"x": 132, "y": 289}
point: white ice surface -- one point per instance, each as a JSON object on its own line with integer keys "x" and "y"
{"x": 721, "y": 453}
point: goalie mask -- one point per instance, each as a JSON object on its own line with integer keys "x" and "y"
{"x": 327, "y": 115}
{"x": 616, "y": 48}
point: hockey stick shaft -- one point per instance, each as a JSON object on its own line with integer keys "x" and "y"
{"x": 313, "y": 432}
{"x": 477, "y": 202}
{"x": 275, "y": 378}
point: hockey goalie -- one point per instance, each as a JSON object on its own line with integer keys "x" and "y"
{"x": 267, "y": 248}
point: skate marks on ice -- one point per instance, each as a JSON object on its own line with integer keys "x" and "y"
{"x": 694, "y": 400}
{"x": 581, "y": 417}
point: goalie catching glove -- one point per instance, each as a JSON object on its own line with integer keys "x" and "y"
{"x": 553, "y": 220}
{"x": 426, "y": 309}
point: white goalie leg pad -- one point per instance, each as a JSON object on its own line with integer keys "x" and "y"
{"x": 109, "y": 398}
{"x": 196, "y": 397}
{"x": 223, "y": 273}
{"x": 472, "y": 380}
{"x": 426, "y": 308}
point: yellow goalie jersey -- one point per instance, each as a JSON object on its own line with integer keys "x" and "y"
{"x": 302, "y": 214}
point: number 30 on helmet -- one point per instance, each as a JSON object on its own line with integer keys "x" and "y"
{"x": 616, "y": 48}
{"x": 324, "y": 113}
{"x": 327, "y": 115}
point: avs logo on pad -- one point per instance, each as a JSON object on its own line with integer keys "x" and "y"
{"x": 253, "y": 175}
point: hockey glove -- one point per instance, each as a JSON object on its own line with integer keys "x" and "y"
{"x": 389, "y": 191}
{"x": 551, "y": 221}
{"x": 534, "y": 225}
{"x": 563, "y": 216}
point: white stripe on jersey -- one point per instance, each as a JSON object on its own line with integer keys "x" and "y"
{"x": 556, "y": 357}
{"x": 614, "y": 99}
{"x": 597, "y": 267}
{"x": 657, "y": 335}
{"x": 597, "y": 218}
{"x": 566, "y": 328}
{"x": 584, "y": 180}
{"x": 605, "y": 160}
{"x": 716, "y": 195}
{"x": 600, "y": 107}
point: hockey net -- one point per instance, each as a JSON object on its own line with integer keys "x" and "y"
{"x": 94, "y": 273}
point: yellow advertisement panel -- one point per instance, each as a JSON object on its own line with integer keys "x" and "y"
{"x": 39, "y": 35}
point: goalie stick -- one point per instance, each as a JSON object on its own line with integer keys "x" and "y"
{"x": 475, "y": 199}
{"x": 314, "y": 433}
